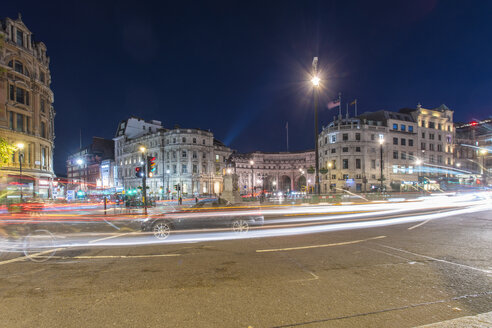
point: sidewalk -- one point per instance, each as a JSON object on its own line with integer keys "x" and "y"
{"x": 483, "y": 320}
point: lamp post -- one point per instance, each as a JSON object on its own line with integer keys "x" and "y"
{"x": 418, "y": 162}
{"x": 315, "y": 80}
{"x": 330, "y": 164}
{"x": 484, "y": 152}
{"x": 80, "y": 163}
{"x": 144, "y": 179}
{"x": 252, "y": 178}
{"x": 381, "y": 141}
{"x": 20, "y": 147}
{"x": 167, "y": 189}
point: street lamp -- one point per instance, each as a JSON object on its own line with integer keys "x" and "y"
{"x": 80, "y": 163}
{"x": 330, "y": 164}
{"x": 167, "y": 190}
{"x": 315, "y": 81}
{"x": 251, "y": 162}
{"x": 144, "y": 179}
{"x": 381, "y": 141}
{"x": 484, "y": 152}
{"x": 20, "y": 147}
{"x": 418, "y": 162}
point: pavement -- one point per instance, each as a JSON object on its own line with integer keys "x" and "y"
{"x": 483, "y": 320}
{"x": 403, "y": 275}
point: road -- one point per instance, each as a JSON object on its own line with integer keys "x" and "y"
{"x": 399, "y": 275}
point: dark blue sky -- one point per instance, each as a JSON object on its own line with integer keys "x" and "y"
{"x": 240, "y": 68}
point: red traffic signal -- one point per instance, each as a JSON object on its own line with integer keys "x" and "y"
{"x": 151, "y": 165}
{"x": 138, "y": 172}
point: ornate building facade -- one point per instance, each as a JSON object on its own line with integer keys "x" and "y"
{"x": 26, "y": 111}
{"x": 190, "y": 158}
{"x": 283, "y": 171}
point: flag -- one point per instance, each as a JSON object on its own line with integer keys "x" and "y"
{"x": 353, "y": 102}
{"x": 334, "y": 103}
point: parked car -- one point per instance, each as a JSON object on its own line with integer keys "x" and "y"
{"x": 213, "y": 214}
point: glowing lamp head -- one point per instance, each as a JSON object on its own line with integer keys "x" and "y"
{"x": 483, "y": 151}
{"x": 418, "y": 161}
{"x": 381, "y": 141}
{"x": 229, "y": 171}
{"x": 458, "y": 164}
{"x": 315, "y": 80}
{"x": 142, "y": 149}
{"x": 251, "y": 162}
{"x": 80, "y": 161}
{"x": 330, "y": 165}
{"x": 20, "y": 146}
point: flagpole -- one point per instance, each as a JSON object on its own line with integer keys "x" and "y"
{"x": 340, "y": 106}
{"x": 347, "y": 114}
{"x": 355, "y": 107}
{"x": 287, "y": 127}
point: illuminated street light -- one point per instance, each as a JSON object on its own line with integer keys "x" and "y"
{"x": 483, "y": 151}
{"x": 418, "y": 161}
{"x": 381, "y": 141}
{"x": 142, "y": 149}
{"x": 251, "y": 162}
{"x": 229, "y": 171}
{"x": 80, "y": 161}
{"x": 458, "y": 164}
{"x": 315, "y": 80}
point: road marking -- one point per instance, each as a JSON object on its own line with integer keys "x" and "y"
{"x": 22, "y": 258}
{"x": 110, "y": 237}
{"x": 87, "y": 257}
{"x": 318, "y": 246}
{"x": 438, "y": 260}
{"x": 418, "y": 225}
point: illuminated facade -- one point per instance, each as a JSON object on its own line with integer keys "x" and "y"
{"x": 284, "y": 171}
{"x": 190, "y": 158}
{"x": 26, "y": 111}
{"x": 417, "y": 144}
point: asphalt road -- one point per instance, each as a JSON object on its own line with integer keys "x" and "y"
{"x": 394, "y": 276}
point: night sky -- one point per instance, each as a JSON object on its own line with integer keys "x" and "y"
{"x": 241, "y": 68}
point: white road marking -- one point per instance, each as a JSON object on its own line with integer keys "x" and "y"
{"x": 438, "y": 260}
{"x": 87, "y": 257}
{"x": 418, "y": 225}
{"x": 317, "y": 246}
{"x": 110, "y": 237}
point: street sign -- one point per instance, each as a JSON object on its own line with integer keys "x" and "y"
{"x": 70, "y": 194}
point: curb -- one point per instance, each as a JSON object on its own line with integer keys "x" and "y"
{"x": 483, "y": 320}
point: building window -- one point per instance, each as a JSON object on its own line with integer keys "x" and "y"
{"x": 174, "y": 169}
{"x": 333, "y": 150}
{"x": 334, "y": 166}
{"x": 403, "y": 127}
{"x": 372, "y": 137}
{"x": 194, "y": 154}
{"x": 326, "y": 140}
{"x": 20, "y": 123}
{"x": 345, "y": 177}
{"x": 183, "y": 154}
{"x": 43, "y": 157}
{"x": 357, "y": 149}
{"x": 204, "y": 156}
{"x": 439, "y": 137}
{"x": 395, "y": 126}
{"x": 174, "y": 140}
{"x": 432, "y": 125}
{"x": 403, "y": 155}
{"x": 217, "y": 158}
{"x": 439, "y": 147}
{"x": 183, "y": 139}
{"x": 423, "y": 123}
{"x": 204, "y": 169}
{"x": 448, "y": 139}
{"x": 422, "y": 145}
{"x": 43, "y": 130}
{"x": 345, "y": 149}
{"x": 423, "y": 135}
{"x": 357, "y": 136}
{"x": 203, "y": 141}
{"x": 345, "y": 137}
{"x": 357, "y": 163}
{"x": 431, "y": 136}
{"x": 410, "y": 128}
{"x": 194, "y": 140}
{"x": 395, "y": 141}
{"x": 11, "y": 120}
{"x": 174, "y": 155}
{"x": 18, "y": 67}
{"x": 373, "y": 163}
{"x": 20, "y": 38}
{"x": 439, "y": 126}
{"x": 395, "y": 154}
{"x": 41, "y": 76}
{"x": 403, "y": 142}
{"x": 195, "y": 168}
{"x": 345, "y": 164}
{"x": 184, "y": 169}
{"x": 333, "y": 176}
{"x": 431, "y": 147}
{"x": 333, "y": 138}
{"x": 42, "y": 105}
{"x": 410, "y": 142}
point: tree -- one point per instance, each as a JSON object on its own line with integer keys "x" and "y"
{"x": 6, "y": 151}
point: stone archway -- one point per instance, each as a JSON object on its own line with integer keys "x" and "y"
{"x": 284, "y": 183}
{"x": 301, "y": 183}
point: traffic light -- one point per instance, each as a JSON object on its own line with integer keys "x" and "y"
{"x": 150, "y": 165}
{"x": 139, "y": 172}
